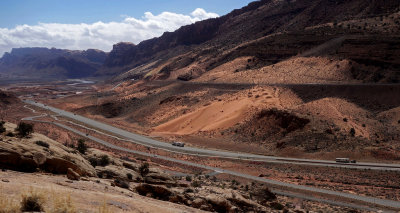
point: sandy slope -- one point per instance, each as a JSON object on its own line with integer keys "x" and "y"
{"x": 343, "y": 114}
{"x": 392, "y": 116}
{"x": 228, "y": 110}
{"x": 223, "y": 70}
{"x": 294, "y": 70}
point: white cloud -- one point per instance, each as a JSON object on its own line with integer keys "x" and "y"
{"x": 97, "y": 35}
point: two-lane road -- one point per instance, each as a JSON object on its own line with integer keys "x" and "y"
{"x": 367, "y": 201}
{"x": 145, "y": 141}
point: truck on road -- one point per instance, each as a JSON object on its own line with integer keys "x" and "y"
{"x": 345, "y": 160}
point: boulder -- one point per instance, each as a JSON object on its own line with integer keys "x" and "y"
{"x": 158, "y": 175}
{"x": 157, "y": 192}
{"x": 198, "y": 202}
{"x": 176, "y": 198}
{"x": 72, "y": 175}
{"x": 23, "y": 154}
{"x": 119, "y": 171}
{"x": 239, "y": 200}
{"x": 121, "y": 183}
{"x": 130, "y": 166}
{"x": 219, "y": 203}
{"x": 114, "y": 171}
{"x": 154, "y": 181}
{"x": 263, "y": 195}
{"x": 244, "y": 204}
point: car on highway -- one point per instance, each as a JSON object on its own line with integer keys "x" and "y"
{"x": 176, "y": 143}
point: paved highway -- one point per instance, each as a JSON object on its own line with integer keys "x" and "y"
{"x": 138, "y": 139}
{"x": 367, "y": 200}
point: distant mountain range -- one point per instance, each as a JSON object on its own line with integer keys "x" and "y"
{"x": 51, "y": 63}
{"x": 365, "y": 32}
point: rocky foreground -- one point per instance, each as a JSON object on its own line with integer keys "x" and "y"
{"x": 62, "y": 179}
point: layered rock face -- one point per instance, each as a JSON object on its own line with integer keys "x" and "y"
{"x": 270, "y": 32}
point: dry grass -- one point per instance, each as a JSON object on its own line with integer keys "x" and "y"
{"x": 104, "y": 207}
{"x": 61, "y": 203}
{"x": 8, "y": 204}
{"x": 38, "y": 200}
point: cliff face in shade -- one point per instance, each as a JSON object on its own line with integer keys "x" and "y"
{"x": 120, "y": 54}
{"x": 51, "y": 63}
{"x": 271, "y": 31}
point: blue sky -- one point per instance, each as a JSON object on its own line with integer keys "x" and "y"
{"x": 30, "y": 12}
{"x": 98, "y": 24}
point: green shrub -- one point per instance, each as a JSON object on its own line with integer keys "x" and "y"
{"x": 144, "y": 169}
{"x": 42, "y": 143}
{"x": 189, "y": 178}
{"x": 121, "y": 183}
{"x": 129, "y": 176}
{"x": 196, "y": 184}
{"x": 24, "y": 129}
{"x": 277, "y": 206}
{"x": 189, "y": 190}
{"x": 234, "y": 182}
{"x": 352, "y": 132}
{"x": 93, "y": 161}
{"x": 82, "y": 148}
{"x": 2, "y": 129}
{"x": 104, "y": 160}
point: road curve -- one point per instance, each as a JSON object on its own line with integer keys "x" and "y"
{"x": 371, "y": 200}
{"x": 138, "y": 139}
{"x": 368, "y": 200}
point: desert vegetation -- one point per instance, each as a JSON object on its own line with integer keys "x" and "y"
{"x": 82, "y": 148}
{"x": 2, "y": 128}
{"x": 38, "y": 200}
{"x": 24, "y": 129}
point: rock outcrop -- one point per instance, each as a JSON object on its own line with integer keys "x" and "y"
{"x": 120, "y": 54}
{"x": 209, "y": 199}
{"x": 72, "y": 175}
{"x": 23, "y": 154}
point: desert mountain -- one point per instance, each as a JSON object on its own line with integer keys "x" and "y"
{"x": 358, "y": 38}
{"x": 361, "y": 32}
{"x": 51, "y": 63}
